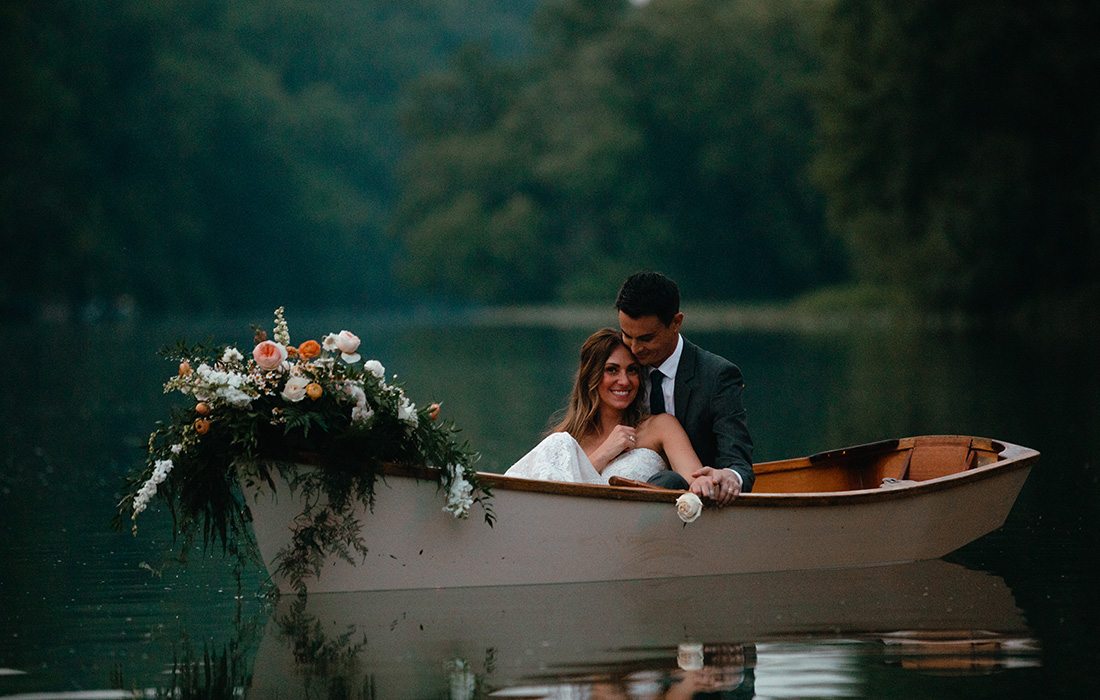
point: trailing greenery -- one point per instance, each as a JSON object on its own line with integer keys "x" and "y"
{"x": 317, "y": 403}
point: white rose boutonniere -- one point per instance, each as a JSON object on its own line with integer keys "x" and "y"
{"x": 688, "y": 507}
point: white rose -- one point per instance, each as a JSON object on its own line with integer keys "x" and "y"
{"x": 688, "y": 507}
{"x": 295, "y": 389}
{"x": 375, "y": 367}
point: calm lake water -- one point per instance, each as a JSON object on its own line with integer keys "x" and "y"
{"x": 86, "y": 609}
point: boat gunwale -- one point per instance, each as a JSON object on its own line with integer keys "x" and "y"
{"x": 1013, "y": 457}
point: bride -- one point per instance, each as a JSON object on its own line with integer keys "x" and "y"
{"x": 606, "y": 430}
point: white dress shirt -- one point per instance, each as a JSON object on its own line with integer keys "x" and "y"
{"x": 668, "y": 368}
{"x": 668, "y": 386}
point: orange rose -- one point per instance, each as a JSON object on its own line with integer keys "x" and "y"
{"x": 202, "y": 408}
{"x": 291, "y": 351}
{"x": 202, "y": 426}
{"x": 314, "y": 390}
{"x": 185, "y": 368}
{"x": 309, "y": 350}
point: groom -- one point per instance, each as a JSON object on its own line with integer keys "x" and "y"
{"x": 701, "y": 389}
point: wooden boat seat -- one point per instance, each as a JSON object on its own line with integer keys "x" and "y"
{"x": 870, "y": 466}
{"x": 933, "y": 457}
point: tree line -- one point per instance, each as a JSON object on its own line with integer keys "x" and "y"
{"x": 208, "y": 155}
{"x": 188, "y": 155}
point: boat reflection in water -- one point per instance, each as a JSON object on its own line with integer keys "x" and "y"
{"x": 779, "y": 634}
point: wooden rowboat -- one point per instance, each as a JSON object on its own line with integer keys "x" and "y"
{"x": 881, "y": 503}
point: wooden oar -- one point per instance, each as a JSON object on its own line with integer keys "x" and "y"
{"x": 623, "y": 481}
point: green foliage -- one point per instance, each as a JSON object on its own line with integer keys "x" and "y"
{"x": 673, "y": 136}
{"x": 959, "y": 147}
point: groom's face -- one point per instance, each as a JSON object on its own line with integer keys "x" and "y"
{"x": 650, "y": 340}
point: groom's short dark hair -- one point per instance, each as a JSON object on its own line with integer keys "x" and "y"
{"x": 649, "y": 294}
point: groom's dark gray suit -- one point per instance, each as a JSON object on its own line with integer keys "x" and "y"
{"x": 708, "y": 404}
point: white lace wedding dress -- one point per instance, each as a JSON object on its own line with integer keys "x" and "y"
{"x": 560, "y": 458}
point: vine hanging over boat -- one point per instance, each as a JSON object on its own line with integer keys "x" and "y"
{"x": 318, "y": 404}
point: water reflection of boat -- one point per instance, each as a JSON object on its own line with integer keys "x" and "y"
{"x": 887, "y": 502}
{"x": 415, "y": 643}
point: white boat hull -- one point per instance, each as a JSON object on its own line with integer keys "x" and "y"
{"x": 565, "y": 537}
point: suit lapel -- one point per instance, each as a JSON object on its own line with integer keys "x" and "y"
{"x": 685, "y": 379}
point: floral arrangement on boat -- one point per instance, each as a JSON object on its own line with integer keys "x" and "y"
{"x": 281, "y": 406}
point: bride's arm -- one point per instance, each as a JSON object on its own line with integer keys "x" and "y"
{"x": 668, "y": 436}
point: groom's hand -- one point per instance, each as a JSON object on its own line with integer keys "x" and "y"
{"x": 719, "y": 485}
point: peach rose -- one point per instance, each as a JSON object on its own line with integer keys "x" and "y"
{"x": 347, "y": 343}
{"x": 185, "y": 368}
{"x": 269, "y": 354}
{"x": 309, "y": 350}
{"x": 202, "y": 408}
{"x": 314, "y": 390}
{"x": 202, "y": 426}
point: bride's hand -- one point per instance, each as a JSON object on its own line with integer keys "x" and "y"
{"x": 619, "y": 440}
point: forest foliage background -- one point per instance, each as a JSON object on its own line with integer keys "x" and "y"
{"x": 208, "y": 154}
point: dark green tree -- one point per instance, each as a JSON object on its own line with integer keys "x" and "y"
{"x": 674, "y": 135}
{"x": 959, "y": 147}
{"x": 211, "y": 154}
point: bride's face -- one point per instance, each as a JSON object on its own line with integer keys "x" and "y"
{"x": 621, "y": 378}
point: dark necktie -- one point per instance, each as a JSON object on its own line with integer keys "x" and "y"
{"x": 656, "y": 395}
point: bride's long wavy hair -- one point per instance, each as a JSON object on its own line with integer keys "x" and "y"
{"x": 582, "y": 415}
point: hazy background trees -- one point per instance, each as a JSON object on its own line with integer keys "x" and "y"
{"x": 207, "y": 155}
{"x": 198, "y": 154}
{"x": 958, "y": 153}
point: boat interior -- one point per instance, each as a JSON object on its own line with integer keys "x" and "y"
{"x": 877, "y": 464}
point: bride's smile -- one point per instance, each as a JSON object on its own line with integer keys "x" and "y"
{"x": 620, "y": 380}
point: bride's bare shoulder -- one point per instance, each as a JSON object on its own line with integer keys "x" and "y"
{"x": 659, "y": 423}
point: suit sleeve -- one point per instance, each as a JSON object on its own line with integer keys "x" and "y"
{"x": 731, "y": 430}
